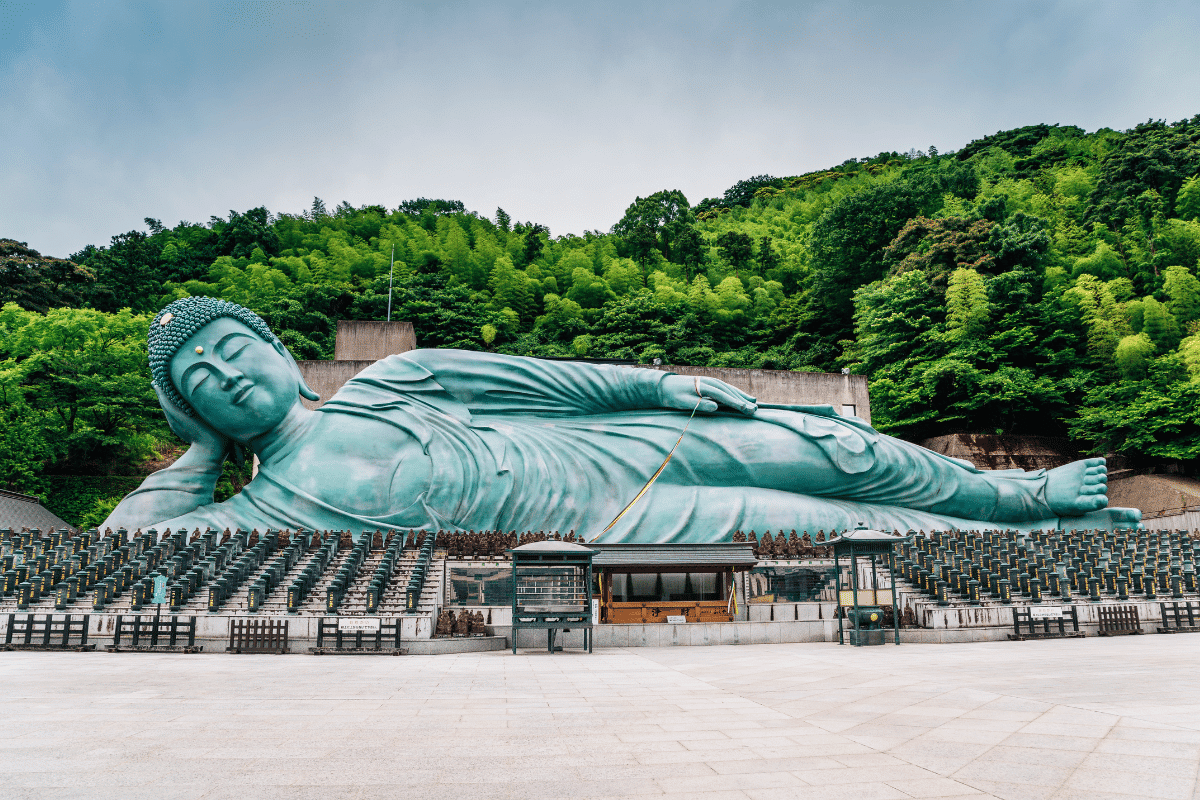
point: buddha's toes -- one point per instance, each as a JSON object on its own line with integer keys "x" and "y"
{"x": 1109, "y": 518}
{"x": 1078, "y": 488}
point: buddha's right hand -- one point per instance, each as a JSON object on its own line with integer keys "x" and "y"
{"x": 202, "y": 436}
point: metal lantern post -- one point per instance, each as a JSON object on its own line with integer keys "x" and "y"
{"x": 857, "y": 543}
{"x": 552, "y": 589}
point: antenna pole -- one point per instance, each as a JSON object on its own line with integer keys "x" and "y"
{"x": 391, "y": 271}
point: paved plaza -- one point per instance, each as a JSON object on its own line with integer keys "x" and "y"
{"x": 1088, "y": 719}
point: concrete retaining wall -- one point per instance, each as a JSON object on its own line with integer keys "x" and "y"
{"x": 365, "y": 340}
{"x": 792, "y": 388}
{"x": 769, "y": 386}
{"x": 326, "y": 377}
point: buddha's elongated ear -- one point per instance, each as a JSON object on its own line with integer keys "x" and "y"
{"x": 305, "y": 391}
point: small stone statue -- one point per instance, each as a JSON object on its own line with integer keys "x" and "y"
{"x": 445, "y": 623}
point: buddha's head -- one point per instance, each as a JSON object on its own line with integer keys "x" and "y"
{"x": 220, "y": 362}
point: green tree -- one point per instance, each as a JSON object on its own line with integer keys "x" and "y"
{"x": 510, "y": 289}
{"x": 1106, "y": 323}
{"x": 38, "y": 283}
{"x": 461, "y": 261}
{"x": 1104, "y": 264}
{"x": 689, "y": 250}
{"x": 847, "y": 245}
{"x": 1152, "y": 420}
{"x": 937, "y": 247}
{"x": 1132, "y": 356}
{"x": 655, "y": 221}
{"x": 737, "y": 250}
{"x": 1187, "y": 204}
{"x": 242, "y": 233}
{"x": 588, "y": 289}
{"x": 1183, "y": 289}
{"x": 83, "y": 374}
{"x": 742, "y": 192}
{"x": 127, "y": 273}
{"x": 768, "y": 257}
{"x": 1159, "y": 325}
{"x": 534, "y": 242}
{"x": 1154, "y": 156}
{"x": 967, "y": 304}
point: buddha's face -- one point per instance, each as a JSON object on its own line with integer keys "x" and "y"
{"x": 239, "y": 384}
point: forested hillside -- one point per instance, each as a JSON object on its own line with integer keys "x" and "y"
{"x": 1041, "y": 280}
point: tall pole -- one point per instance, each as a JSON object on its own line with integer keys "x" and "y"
{"x": 854, "y": 589}
{"x": 391, "y": 271}
{"x": 895, "y": 597}
{"x": 837, "y": 582}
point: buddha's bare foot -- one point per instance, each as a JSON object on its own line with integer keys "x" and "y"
{"x": 1108, "y": 518}
{"x": 1077, "y": 488}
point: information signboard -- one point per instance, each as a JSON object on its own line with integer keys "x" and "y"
{"x": 356, "y": 624}
{"x": 160, "y": 589}
{"x": 1045, "y": 612}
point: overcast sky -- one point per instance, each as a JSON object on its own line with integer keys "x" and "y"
{"x": 559, "y": 112}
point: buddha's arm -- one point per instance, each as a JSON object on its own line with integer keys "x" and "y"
{"x": 179, "y": 489}
{"x": 499, "y": 384}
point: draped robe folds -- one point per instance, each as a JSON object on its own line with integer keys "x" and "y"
{"x": 529, "y": 444}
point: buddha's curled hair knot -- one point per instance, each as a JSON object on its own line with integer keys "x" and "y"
{"x": 177, "y": 322}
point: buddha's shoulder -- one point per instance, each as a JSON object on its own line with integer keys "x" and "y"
{"x": 362, "y": 435}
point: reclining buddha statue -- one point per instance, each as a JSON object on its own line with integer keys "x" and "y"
{"x": 451, "y": 439}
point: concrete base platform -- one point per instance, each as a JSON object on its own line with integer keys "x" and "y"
{"x": 793, "y": 624}
{"x": 467, "y": 644}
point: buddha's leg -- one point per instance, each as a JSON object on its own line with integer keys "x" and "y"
{"x": 712, "y": 513}
{"x": 891, "y": 472}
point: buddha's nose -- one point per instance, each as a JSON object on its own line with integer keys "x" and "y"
{"x": 229, "y": 376}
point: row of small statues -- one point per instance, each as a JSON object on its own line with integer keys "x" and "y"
{"x": 477, "y": 544}
{"x": 456, "y": 543}
{"x": 787, "y": 545}
{"x": 464, "y": 623}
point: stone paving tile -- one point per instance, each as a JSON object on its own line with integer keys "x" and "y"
{"x": 1009, "y": 754}
{"x": 1013, "y": 791}
{"x": 847, "y": 791}
{"x": 759, "y": 764}
{"x": 1169, "y": 787}
{"x": 940, "y": 757}
{"x": 936, "y": 787}
{"x": 739, "y": 782}
{"x": 796, "y": 721}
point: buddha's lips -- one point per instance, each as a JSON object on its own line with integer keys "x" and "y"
{"x": 242, "y": 393}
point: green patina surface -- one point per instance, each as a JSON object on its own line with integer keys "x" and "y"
{"x": 453, "y": 439}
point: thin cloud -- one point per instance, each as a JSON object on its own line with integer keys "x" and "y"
{"x": 559, "y": 112}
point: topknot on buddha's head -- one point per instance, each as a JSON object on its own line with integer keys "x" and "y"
{"x": 177, "y": 322}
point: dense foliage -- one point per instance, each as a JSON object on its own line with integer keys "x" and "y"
{"x": 1042, "y": 280}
